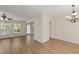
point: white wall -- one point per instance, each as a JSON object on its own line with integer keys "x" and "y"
{"x": 45, "y": 28}
{"x": 37, "y": 27}
{"x": 61, "y": 29}
{"x": 51, "y": 27}
{"x": 47, "y": 31}
{"x": 65, "y": 30}
{"x": 41, "y": 27}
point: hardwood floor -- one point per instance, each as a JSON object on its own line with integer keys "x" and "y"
{"x": 21, "y": 45}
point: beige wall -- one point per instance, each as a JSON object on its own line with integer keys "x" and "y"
{"x": 65, "y": 30}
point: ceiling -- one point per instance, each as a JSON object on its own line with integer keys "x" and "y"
{"x": 27, "y": 11}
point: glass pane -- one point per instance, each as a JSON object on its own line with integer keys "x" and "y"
{"x": 16, "y": 27}
{"x": 5, "y": 28}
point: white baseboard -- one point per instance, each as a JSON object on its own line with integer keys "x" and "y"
{"x": 67, "y": 41}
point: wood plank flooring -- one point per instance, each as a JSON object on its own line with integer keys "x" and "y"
{"x": 21, "y": 45}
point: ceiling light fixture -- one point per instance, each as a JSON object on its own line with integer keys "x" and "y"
{"x": 4, "y": 17}
{"x": 74, "y": 17}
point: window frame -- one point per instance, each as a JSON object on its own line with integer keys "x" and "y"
{"x": 9, "y": 25}
{"x": 13, "y": 28}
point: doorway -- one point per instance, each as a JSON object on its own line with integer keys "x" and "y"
{"x": 30, "y": 31}
{"x": 50, "y": 29}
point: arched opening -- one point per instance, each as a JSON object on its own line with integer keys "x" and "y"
{"x": 50, "y": 29}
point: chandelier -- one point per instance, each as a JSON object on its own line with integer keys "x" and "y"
{"x": 74, "y": 17}
{"x": 4, "y": 17}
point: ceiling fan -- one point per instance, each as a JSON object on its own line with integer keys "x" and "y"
{"x": 4, "y": 17}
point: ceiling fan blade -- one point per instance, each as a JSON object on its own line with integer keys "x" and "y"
{"x": 9, "y": 19}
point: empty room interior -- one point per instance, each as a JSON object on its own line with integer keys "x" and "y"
{"x": 39, "y": 29}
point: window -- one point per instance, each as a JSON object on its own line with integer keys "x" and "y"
{"x": 9, "y": 28}
{"x": 16, "y": 28}
{"x": 5, "y": 28}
